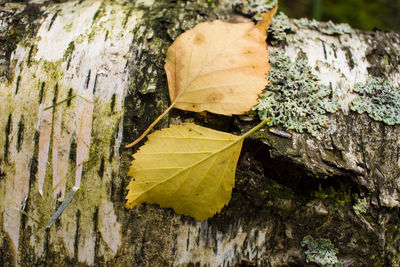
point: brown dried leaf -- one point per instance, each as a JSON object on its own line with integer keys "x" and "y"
{"x": 219, "y": 67}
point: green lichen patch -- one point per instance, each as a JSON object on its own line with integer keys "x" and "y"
{"x": 254, "y": 8}
{"x": 320, "y": 251}
{"x": 99, "y": 14}
{"x": 336, "y": 197}
{"x": 68, "y": 27}
{"x": 328, "y": 28}
{"x": 294, "y": 98}
{"x": 360, "y": 207}
{"x": 379, "y": 98}
{"x": 70, "y": 49}
{"x": 281, "y": 27}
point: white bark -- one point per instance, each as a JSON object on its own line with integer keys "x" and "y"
{"x": 96, "y": 72}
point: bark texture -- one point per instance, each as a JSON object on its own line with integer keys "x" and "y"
{"x": 80, "y": 79}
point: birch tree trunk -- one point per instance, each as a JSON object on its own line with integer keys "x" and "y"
{"x": 81, "y": 79}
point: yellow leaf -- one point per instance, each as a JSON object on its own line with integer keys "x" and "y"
{"x": 219, "y": 67}
{"x": 185, "y": 167}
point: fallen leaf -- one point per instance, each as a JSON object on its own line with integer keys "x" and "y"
{"x": 219, "y": 67}
{"x": 188, "y": 168}
{"x": 185, "y": 167}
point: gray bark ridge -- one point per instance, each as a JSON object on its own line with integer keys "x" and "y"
{"x": 320, "y": 184}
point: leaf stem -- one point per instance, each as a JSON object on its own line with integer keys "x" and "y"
{"x": 261, "y": 124}
{"x": 152, "y": 125}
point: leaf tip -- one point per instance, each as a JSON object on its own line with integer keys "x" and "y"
{"x": 267, "y": 18}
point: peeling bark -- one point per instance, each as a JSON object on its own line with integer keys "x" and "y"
{"x": 80, "y": 79}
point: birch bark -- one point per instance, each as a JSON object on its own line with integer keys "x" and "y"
{"x": 80, "y": 79}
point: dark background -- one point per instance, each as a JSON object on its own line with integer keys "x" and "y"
{"x": 361, "y": 14}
